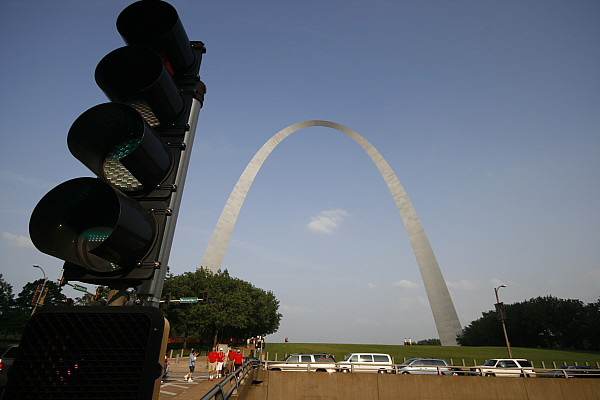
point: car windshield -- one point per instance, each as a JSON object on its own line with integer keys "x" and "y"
{"x": 490, "y": 363}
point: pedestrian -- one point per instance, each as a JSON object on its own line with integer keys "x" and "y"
{"x": 231, "y": 359}
{"x": 192, "y": 365}
{"x": 212, "y": 364}
{"x": 239, "y": 359}
{"x": 220, "y": 360}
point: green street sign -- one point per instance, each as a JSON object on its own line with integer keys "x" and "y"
{"x": 188, "y": 299}
{"x": 80, "y": 288}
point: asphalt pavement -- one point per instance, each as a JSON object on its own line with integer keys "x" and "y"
{"x": 175, "y": 388}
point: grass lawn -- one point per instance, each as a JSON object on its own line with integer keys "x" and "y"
{"x": 454, "y": 354}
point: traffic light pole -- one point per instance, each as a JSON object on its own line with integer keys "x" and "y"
{"x": 150, "y": 291}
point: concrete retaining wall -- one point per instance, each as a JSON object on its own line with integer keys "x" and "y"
{"x": 316, "y": 386}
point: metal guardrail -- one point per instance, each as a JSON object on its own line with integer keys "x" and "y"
{"x": 229, "y": 386}
{"x": 572, "y": 372}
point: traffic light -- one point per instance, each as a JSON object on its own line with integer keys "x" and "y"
{"x": 116, "y": 229}
{"x": 90, "y": 353}
{"x": 167, "y": 298}
{"x": 98, "y": 293}
{"x": 36, "y": 294}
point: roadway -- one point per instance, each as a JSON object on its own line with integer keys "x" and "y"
{"x": 175, "y": 388}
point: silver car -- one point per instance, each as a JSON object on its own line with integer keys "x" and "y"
{"x": 434, "y": 366}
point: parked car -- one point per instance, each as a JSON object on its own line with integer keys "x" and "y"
{"x": 254, "y": 361}
{"x": 505, "y": 367}
{"x": 367, "y": 362}
{"x": 435, "y": 366}
{"x": 572, "y": 371}
{"x": 8, "y": 357}
{"x": 305, "y": 362}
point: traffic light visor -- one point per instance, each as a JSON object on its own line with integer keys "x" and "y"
{"x": 155, "y": 24}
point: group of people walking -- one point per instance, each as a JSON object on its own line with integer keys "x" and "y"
{"x": 219, "y": 363}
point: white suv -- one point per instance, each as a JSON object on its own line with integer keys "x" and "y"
{"x": 367, "y": 362}
{"x": 505, "y": 367}
{"x": 304, "y": 362}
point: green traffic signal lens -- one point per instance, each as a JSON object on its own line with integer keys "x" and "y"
{"x": 97, "y": 234}
{"x": 90, "y": 239}
{"x": 115, "y": 172}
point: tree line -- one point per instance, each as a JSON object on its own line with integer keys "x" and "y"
{"x": 15, "y": 311}
{"x": 234, "y": 308}
{"x": 542, "y": 322}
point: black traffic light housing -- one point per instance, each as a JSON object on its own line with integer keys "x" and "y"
{"x": 90, "y": 353}
{"x": 116, "y": 229}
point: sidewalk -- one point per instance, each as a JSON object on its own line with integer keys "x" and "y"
{"x": 201, "y": 384}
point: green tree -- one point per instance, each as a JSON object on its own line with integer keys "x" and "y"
{"x": 485, "y": 331}
{"x": 235, "y": 308}
{"x": 54, "y": 296}
{"x": 102, "y": 291}
{"x": 6, "y": 296}
{"x": 430, "y": 342}
{"x": 545, "y": 321}
{"x": 13, "y": 320}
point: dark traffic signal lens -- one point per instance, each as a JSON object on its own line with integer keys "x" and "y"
{"x": 136, "y": 75}
{"x": 87, "y": 222}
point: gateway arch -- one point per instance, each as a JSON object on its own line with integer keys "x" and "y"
{"x": 444, "y": 313}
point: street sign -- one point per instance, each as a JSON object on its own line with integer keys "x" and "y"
{"x": 188, "y": 299}
{"x": 80, "y": 288}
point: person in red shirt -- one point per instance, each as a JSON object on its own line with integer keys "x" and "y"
{"x": 220, "y": 360}
{"x": 212, "y": 364}
{"x": 239, "y": 360}
{"x": 231, "y": 359}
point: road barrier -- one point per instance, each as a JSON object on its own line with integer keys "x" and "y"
{"x": 236, "y": 383}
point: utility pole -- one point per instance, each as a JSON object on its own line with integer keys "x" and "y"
{"x": 41, "y": 295}
{"x": 502, "y": 317}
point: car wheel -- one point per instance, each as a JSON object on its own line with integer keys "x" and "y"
{"x": 488, "y": 374}
{"x": 405, "y": 373}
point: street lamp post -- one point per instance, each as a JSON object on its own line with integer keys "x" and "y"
{"x": 42, "y": 291}
{"x": 502, "y": 316}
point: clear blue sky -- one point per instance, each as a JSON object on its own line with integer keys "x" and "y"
{"x": 488, "y": 112}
